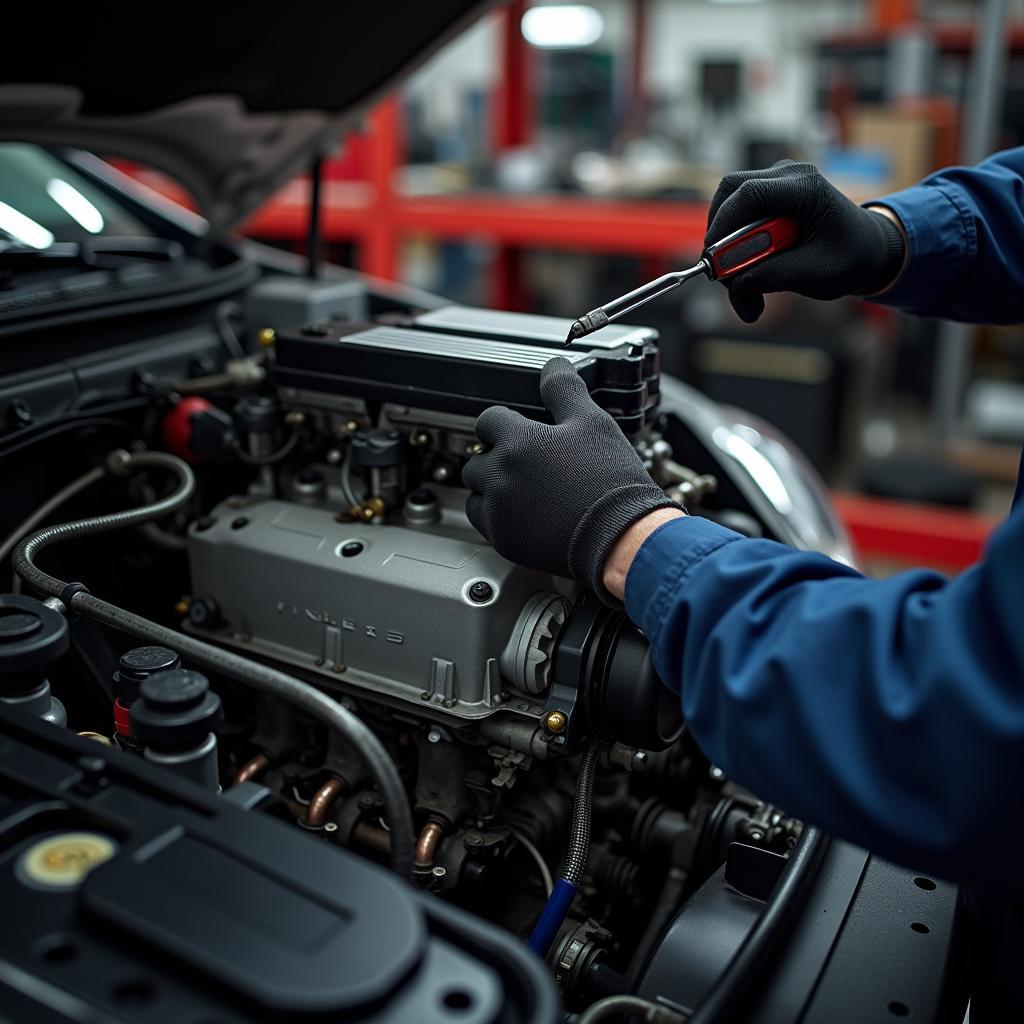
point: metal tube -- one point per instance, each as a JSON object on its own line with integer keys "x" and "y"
{"x": 426, "y": 845}
{"x": 251, "y": 769}
{"x": 316, "y": 812}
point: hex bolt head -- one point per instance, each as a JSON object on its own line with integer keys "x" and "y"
{"x": 481, "y": 591}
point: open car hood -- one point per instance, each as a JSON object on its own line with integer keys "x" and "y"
{"x": 232, "y": 101}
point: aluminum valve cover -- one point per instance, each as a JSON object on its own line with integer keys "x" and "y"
{"x": 379, "y": 607}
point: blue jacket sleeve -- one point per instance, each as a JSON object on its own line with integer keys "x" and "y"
{"x": 889, "y": 712}
{"x": 965, "y": 228}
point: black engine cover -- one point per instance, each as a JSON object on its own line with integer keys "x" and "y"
{"x": 196, "y": 909}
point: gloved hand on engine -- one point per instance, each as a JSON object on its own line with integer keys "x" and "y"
{"x": 557, "y": 497}
{"x": 843, "y": 249}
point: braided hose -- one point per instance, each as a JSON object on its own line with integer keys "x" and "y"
{"x": 120, "y": 463}
{"x": 579, "y": 834}
{"x": 293, "y": 691}
{"x": 560, "y": 900}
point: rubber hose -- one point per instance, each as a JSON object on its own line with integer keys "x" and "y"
{"x": 294, "y": 691}
{"x": 738, "y": 981}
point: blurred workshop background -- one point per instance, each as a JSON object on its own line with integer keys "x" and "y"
{"x": 554, "y": 155}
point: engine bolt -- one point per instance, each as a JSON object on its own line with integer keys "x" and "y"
{"x": 425, "y": 695}
{"x": 474, "y": 840}
{"x": 337, "y": 667}
{"x": 352, "y": 426}
{"x": 450, "y": 702}
{"x": 433, "y": 736}
{"x": 442, "y": 474}
{"x": 181, "y": 607}
{"x": 318, "y": 662}
{"x": 419, "y": 439}
{"x": 475, "y": 448}
{"x": 295, "y": 418}
{"x": 330, "y": 826}
{"x": 481, "y": 591}
{"x": 334, "y": 457}
{"x": 556, "y": 721}
{"x": 267, "y": 337}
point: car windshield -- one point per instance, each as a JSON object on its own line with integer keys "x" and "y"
{"x": 43, "y": 200}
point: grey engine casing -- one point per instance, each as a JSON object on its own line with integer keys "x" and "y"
{"x": 396, "y": 618}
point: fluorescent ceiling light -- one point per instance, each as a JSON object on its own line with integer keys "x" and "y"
{"x": 562, "y": 26}
{"x": 75, "y": 205}
{"x": 24, "y": 229}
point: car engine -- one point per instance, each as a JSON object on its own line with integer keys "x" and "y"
{"x": 363, "y": 671}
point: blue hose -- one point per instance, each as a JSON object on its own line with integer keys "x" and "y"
{"x": 552, "y": 916}
{"x": 557, "y": 906}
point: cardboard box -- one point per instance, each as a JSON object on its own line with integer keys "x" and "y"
{"x": 907, "y": 139}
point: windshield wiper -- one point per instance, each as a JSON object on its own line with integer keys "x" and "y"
{"x": 97, "y": 254}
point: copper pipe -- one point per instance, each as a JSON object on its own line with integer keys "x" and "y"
{"x": 427, "y": 844}
{"x": 373, "y": 839}
{"x": 253, "y": 767}
{"x": 316, "y": 812}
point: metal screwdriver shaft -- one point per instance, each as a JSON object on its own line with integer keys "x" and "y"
{"x": 625, "y": 304}
{"x": 721, "y": 259}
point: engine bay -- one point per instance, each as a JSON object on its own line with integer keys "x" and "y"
{"x": 326, "y": 669}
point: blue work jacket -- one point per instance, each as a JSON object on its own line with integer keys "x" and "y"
{"x": 889, "y": 712}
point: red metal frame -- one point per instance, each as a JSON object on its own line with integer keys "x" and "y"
{"x": 947, "y": 539}
{"x": 562, "y": 222}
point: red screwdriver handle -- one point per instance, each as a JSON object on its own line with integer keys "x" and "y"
{"x": 750, "y": 245}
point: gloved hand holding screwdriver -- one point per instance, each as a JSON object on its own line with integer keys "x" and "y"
{"x": 559, "y": 497}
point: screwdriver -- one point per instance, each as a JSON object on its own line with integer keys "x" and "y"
{"x": 740, "y": 250}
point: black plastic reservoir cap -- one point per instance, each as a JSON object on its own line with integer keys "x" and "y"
{"x": 174, "y": 690}
{"x": 16, "y": 623}
{"x": 175, "y": 708}
{"x": 32, "y": 637}
{"x": 138, "y": 664}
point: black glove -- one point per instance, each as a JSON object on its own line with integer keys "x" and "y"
{"x": 842, "y": 249}
{"x": 556, "y": 497}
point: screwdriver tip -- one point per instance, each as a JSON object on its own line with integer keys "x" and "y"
{"x": 576, "y": 331}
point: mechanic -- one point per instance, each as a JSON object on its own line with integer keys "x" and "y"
{"x": 888, "y": 712}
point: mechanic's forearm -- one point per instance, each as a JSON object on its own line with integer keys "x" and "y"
{"x": 616, "y": 569}
{"x": 965, "y": 243}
